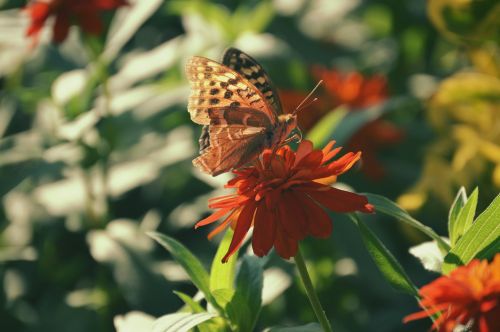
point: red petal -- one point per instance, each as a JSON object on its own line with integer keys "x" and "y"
{"x": 291, "y": 216}
{"x": 264, "y": 229}
{"x": 61, "y": 27}
{"x": 231, "y": 217}
{"x": 344, "y": 163}
{"x": 212, "y": 218}
{"x": 318, "y": 221}
{"x": 305, "y": 147}
{"x": 285, "y": 246}
{"x": 91, "y": 22}
{"x": 242, "y": 226}
{"x": 109, "y": 4}
{"x": 340, "y": 201}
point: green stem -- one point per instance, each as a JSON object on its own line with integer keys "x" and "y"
{"x": 311, "y": 293}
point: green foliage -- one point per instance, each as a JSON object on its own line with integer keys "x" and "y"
{"x": 222, "y": 274}
{"x": 180, "y": 322}
{"x": 390, "y": 208}
{"x": 193, "y": 267}
{"x": 386, "y": 262}
{"x": 463, "y": 217}
{"x": 481, "y": 240}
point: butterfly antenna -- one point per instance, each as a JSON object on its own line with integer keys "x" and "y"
{"x": 308, "y": 96}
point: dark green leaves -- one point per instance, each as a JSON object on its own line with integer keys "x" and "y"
{"x": 386, "y": 262}
{"x": 189, "y": 262}
{"x": 390, "y": 208}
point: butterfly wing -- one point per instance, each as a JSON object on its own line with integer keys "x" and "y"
{"x": 215, "y": 85}
{"x": 230, "y": 147}
{"x": 236, "y": 113}
{"x": 250, "y": 69}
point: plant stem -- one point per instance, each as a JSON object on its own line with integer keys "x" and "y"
{"x": 311, "y": 293}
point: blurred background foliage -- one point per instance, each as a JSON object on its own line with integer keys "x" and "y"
{"x": 96, "y": 147}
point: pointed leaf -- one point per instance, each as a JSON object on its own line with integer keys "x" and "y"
{"x": 481, "y": 240}
{"x": 180, "y": 322}
{"x": 455, "y": 209}
{"x": 465, "y": 218}
{"x": 311, "y": 327}
{"x": 189, "y": 262}
{"x": 248, "y": 295}
{"x": 385, "y": 261}
{"x": 222, "y": 274}
{"x": 195, "y": 309}
{"x": 390, "y": 208}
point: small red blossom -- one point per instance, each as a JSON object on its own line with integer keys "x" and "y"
{"x": 283, "y": 199}
{"x": 358, "y": 92}
{"x": 469, "y": 295}
{"x": 67, "y": 12}
{"x": 353, "y": 89}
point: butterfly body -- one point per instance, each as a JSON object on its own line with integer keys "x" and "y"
{"x": 239, "y": 109}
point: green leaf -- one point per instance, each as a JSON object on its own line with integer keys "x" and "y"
{"x": 356, "y": 119}
{"x": 192, "y": 304}
{"x": 455, "y": 209}
{"x": 321, "y": 132}
{"x": 390, "y": 208}
{"x": 386, "y": 262}
{"x": 481, "y": 240}
{"x": 189, "y": 262}
{"x": 465, "y": 218}
{"x": 180, "y": 322}
{"x": 248, "y": 295}
{"x": 311, "y": 327}
{"x": 222, "y": 274}
{"x": 196, "y": 308}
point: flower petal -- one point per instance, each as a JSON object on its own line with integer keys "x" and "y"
{"x": 61, "y": 27}
{"x": 318, "y": 221}
{"x": 264, "y": 230}
{"x": 242, "y": 226}
{"x": 305, "y": 147}
{"x": 285, "y": 246}
{"x": 212, "y": 218}
{"x": 340, "y": 201}
{"x": 291, "y": 216}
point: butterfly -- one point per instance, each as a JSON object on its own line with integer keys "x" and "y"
{"x": 239, "y": 109}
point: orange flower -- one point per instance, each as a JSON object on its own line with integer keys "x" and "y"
{"x": 352, "y": 88}
{"x": 469, "y": 295}
{"x": 67, "y": 12}
{"x": 282, "y": 199}
{"x": 358, "y": 92}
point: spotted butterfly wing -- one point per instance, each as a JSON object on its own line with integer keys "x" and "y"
{"x": 250, "y": 69}
{"x": 238, "y": 120}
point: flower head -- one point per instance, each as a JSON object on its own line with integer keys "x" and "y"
{"x": 469, "y": 295}
{"x": 352, "y": 88}
{"x": 68, "y": 12}
{"x": 283, "y": 196}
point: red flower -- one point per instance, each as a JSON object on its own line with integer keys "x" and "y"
{"x": 470, "y": 294}
{"x": 283, "y": 201}
{"x": 352, "y": 88}
{"x": 358, "y": 92}
{"x": 67, "y": 12}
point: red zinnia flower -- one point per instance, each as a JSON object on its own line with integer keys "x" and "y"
{"x": 281, "y": 198}
{"x": 358, "y": 92}
{"x": 470, "y": 294}
{"x": 352, "y": 88}
{"x": 68, "y": 12}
